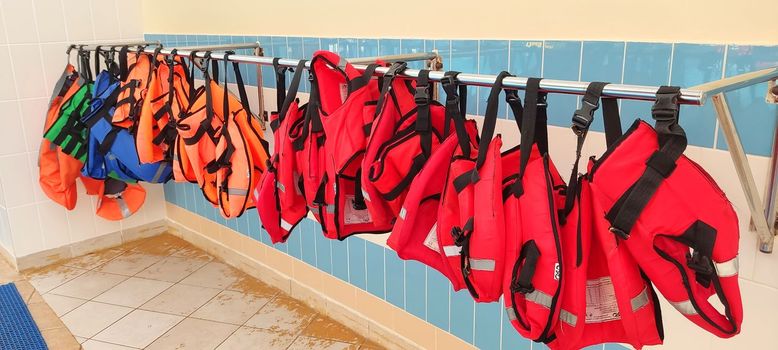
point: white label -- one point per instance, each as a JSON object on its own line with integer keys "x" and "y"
{"x": 556, "y": 272}
{"x": 431, "y": 241}
{"x": 601, "y": 303}
{"x": 343, "y": 92}
{"x": 352, "y": 216}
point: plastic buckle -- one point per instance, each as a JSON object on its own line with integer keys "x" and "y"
{"x": 619, "y": 232}
{"x": 422, "y": 96}
{"x": 458, "y": 235}
{"x": 542, "y": 100}
{"x": 512, "y": 96}
{"x": 583, "y": 117}
{"x": 701, "y": 264}
{"x": 666, "y": 107}
{"x": 448, "y": 80}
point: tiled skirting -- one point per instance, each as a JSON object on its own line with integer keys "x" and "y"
{"x": 378, "y": 320}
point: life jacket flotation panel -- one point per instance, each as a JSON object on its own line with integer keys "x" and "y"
{"x": 118, "y": 200}
{"x": 135, "y": 78}
{"x": 471, "y": 227}
{"x": 241, "y": 153}
{"x": 408, "y": 128}
{"x": 199, "y": 128}
{"x": 281, "y": 203}
{"x": 673, "y": 217}
{"x": 414, "y": 236}
{"x": 165, "y": 98}
{"x": 606, "y": 296}
{"x": 346, "y": 104}
{"x": 66, "y": 130}
{"x": 532, "y": 192}
{"x": 58, "y": 171}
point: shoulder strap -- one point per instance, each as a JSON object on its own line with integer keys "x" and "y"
{"x": 490, "y": 118}
{"x": 292, "y": 93}
{"x": 456, "y": 105}
{"x": 534, "y": 119}
{"x": 280, "y": 73}
{"x": 386, "y": 83}
{"x": 422, "y": 99}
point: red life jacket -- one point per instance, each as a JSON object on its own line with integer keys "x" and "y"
{"x": 606, "y": 297}
{"x": 673, "y": 217}
{"x": 408, "y": 129}
{"x": 470, "y": 218}
{"x": 345, "y": 104}
{"x": 279, "y": 195}
{"x": 533, "y": 193}
{"x": 415, "y": 235}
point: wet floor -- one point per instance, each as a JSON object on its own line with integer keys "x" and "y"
{"x": 163, "y": 293}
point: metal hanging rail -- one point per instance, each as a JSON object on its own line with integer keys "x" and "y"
{"x": 692, "y": 96}
{"x": 92, "y": 47}
{"x": 224, "y": 47}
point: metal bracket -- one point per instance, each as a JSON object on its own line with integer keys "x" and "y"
{"x": 435, "y": 63}
{"x": 261, "y": 112}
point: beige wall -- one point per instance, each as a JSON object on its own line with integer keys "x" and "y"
{"x": 696, "y": 21}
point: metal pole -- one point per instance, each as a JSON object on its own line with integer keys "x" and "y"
{"x": 92, "y": 47}
{"x": 740, "y": 160}
{"x": 224, "y": 47}
{"x": 261, "y": 113}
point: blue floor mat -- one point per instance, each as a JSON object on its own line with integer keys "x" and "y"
{"x": 17, "y": 328}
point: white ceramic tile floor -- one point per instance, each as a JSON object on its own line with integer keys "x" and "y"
{"x": 162, "y": 293}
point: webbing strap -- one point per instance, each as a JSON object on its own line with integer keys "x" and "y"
{"x": 386, "y": 83}
{"x": 456, "y": 106}
{"x": 524, "y": 268}
{"x": 490, "y": 119}
{"x": 292, "y": 94}
{"x": 422, "y": 98}
{"x": 280, "y": 73}
{"x": 533, "y": 129}
{"x": 672, "y": 143}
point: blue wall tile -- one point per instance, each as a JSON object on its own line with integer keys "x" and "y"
{"x": 487, "y": 325}
{"x": 389, "y": 47}
{"x": 413, "y": 46}
{"x": 526, "y": 58}
{"x": 602, "y": 61}
{"x": 329, "y": 44}
{"x": 253, "y": 221}
{"x": 348, "y": 48}
{"x": 268, "y": 77}
{"x": 169, "y": 189}
{"x": 339, "y": 258}
{"x": 645, "y": 64}
{"x": 613, "y": 346}
{"x": 323, "y": 253}
{"x": 461, "y": 319}
{"x": 561, "y": 60}
{"x": 308, "y": 239}
{"x": 368, "y": 48}
{"x": 492, "y": 59}
{"x": 295, "y": 242}
{"x": 395, "y": 279}
{"x": 694, "y": 64}
{"x": 415, "y": 288}
{"x": 310, "y": 46}
{"x": 438, "y": 288}
{"x": 464, "y": 58}
{"x": 375, "y": 269}
{"x": 754, "y": 119}
{"x": 356, "y": 262}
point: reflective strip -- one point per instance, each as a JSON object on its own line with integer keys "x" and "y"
{"x": 640, "y": 301}
{"x": 684, "y": 307}
{"x": 160, "y": 170}
{"x": 331, "y": 209}
{"x": 281, "y": 186}
{"x": 286, "y": 225}
{"x": 452, "y": 250}
{"x": 511, "y": 313}
{"x": 111, "y": 156}
{"x": 539, "y": 298}
{"x": 727, "y": 268}
{"x": 482, "y": 264}
{"x": 403, "y": 212}
{"x": 366, "y": 195}
{"x": 256, "y": 192}
{"x": 237, "y": 191}
{"x": 568, "y": 317}
{"x": 123, "y": 207}
{"x": 342, "y": 63}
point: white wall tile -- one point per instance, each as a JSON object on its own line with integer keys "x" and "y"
{"x": 155, "y": 202}
{"x": 2, "y": 26}
{"x": 81, "y": 219}
{"x": 7, "y": 84}
{"x": 760, "y": 305}
{"x": 33, "y": 113}
{"x": 11, "y": 136}
{"x": 5, "y": 231}
{"x": 105, "y": 19}
{"x": 54, "y": 61}
{"x": 37, "y": 192}
{"x": 103, "y": 226}
{"x": 54, "y": 224}
{"x": 130, "y": 19}
{"x": 26, "y": 60}
{"x": 19, "y": 21}
{"x": 78, "y": 18}
{"x": 17, "y": 180}
{"x": 51, "y": 20}
{"x": 25, "y": 230}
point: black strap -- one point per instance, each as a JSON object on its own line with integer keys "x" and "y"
{"x": 524, "y": 268}
{"x": 291, "y": 95}
{"x": 280, "y": 73}
{"x": 490, "y": 119}
{"x": 124, "y": 70}
{"x": 533, "y": 120}
{"x": 672, "y": 143}
{"x": 359, "y": 198}
{"x": 386, "y": 83}
{"x": 191, "y": 77}
{"x": 244, "y": 97}
{"x": 422, "y": 98}
{"x": 363, "y": 80}
{"x": 456, "y": 106}
{"x": 462, "y": 237}
{"x": 98, "y": 53}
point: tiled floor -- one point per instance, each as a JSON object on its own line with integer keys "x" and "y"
{"x": 162, "y": 293}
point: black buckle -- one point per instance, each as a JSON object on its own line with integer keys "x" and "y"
{"x": 583, "y": 117}
{"x": 458, "y": 235}
{"x": 512, "y": 96}
{"x": 701, "y": 264}
{"x": 448, "y": 80}
{"x": 422, "y": 96}
{"x": 619, "y": 232}
{"x": 666, "y": 107}
{"x": 542, "y": 100}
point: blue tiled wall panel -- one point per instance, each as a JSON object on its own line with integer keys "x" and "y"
{"x": 437, "y": 299}
{"x": 695, "y": 64}
{"x": 645, "y": 64}
{"x": 413, "y": 46}
{"x": 464, "y": 58}
{"x": 602, "y": 61}
{"x": 376, "y": 280}
{"x": 561, "y": 61}
{"x": 324, "y": 253}
{"x": 356, "y": 255}
{"x": 492, "y": 59}
{"x": 368, "y": 47}
{"x": 462, "y": 315}
{"x": 389, "y": 47}
{"x": 395, "y": 278}
{"x": 487, "y": 325}
{"x": 340, "y": 265}
{"x": 416, "y": 289}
